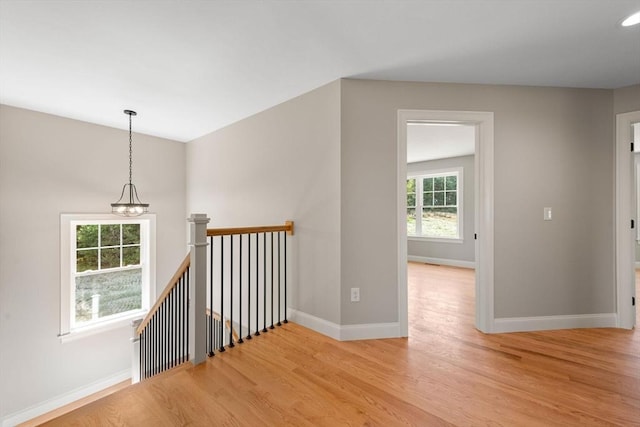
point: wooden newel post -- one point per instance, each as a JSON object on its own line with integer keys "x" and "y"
{"x": 198, "y": 288}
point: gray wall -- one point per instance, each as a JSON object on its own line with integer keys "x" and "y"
{"x": 454, "y": 251}
{"x": 553, "y": 147}
{"x": 626, "y": 99}
{"x": 51, "y": 165}
{"x": 281, "y": 164}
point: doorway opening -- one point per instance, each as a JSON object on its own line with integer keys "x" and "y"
{"x": 481, "y": 123}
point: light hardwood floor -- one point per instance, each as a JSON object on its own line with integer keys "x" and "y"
{"x": 446, "y": 373}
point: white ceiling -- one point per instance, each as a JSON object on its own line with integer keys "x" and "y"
{"x": 191, "y": 67}
{"x": 431, "y": 141}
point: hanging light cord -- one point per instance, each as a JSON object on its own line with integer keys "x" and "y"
{"x": 130, "y": 153}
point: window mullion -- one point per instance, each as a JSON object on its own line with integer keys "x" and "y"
{"x": 121, "y": 248}
{"x": 419, "y": 203}
{"x": 99, "y": 247}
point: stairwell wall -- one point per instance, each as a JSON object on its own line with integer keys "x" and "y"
{"x": 281, "y": 164}
{"x": 51, "y": 165}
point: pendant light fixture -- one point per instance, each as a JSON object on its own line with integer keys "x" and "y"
{"x": 129, "y": 204}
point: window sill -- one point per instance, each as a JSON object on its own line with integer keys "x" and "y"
{"x": 434, "y": 239}
{"x": 109, "y": 325}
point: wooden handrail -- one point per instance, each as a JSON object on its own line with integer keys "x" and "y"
{"x": 172, "y": 283}
{"x": 288, "y": 227}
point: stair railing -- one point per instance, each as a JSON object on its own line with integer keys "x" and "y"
{"x": 247, "y": 282}
{"x": 161, "y": 339}
{"x": 232, "y": 282}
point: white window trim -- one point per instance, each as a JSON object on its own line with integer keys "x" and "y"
{"x": 67, "y": 331}
{"x": 460, "y": 199}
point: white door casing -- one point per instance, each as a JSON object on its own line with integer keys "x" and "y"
{"x": 625, "y": 235}
{"x": 483, "y": 121}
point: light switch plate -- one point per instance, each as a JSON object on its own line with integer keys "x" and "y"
{"x": 547, "y": 214}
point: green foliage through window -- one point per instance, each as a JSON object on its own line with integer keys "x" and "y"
{"x": 107, "y": 246}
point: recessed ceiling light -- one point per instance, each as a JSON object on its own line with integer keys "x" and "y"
{"x": 632, "y": 20}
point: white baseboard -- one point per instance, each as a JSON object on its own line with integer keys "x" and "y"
{"x": 346, "y": 332}
{"x": 442, "y": 261}
{"x": 322, "y": 326}
{"x": 370, "y": 331}
{"x": 64, "y": 399}
{"x": 543, "y": 323}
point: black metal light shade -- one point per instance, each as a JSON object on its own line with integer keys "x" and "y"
{"x": 129, "y": 204}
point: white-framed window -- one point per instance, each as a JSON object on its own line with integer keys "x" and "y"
{"x": 107, "y": 271}
{"x": 434, "y": 204}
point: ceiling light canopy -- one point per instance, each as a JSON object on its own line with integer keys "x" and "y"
{"x": 632, "y": 20}
{"x": 129, "y": 204}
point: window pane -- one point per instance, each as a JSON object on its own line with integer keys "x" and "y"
{"x": 427, "y": 184}
{"x": 86, "y": 260}
{"x": 116, "y": 292}
{"x": 130, "y": 234}
{"x": 438, "y": 183}
{"x": 411, "y": 221}
{"x": 427, "y": 198}
{"x": 451, "y": 198}
{"x": 438, "y": 198}
{"x": 110, "y": 235}
{"x": 130, "y": 256}
{"x": 86, "y": 236}
{"x": 440, "y": 222}
{"x": 452, "y": 182}
{"x": 411, "y": 199}
{"x": 109, "y": 258}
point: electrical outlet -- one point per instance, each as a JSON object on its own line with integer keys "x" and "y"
{"x": 355, "y": 294}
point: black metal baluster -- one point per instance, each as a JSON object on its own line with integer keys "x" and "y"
{"x": 216, "y": 323}
{"x": 240, "y": 341}
{"x": 211, "y": 344}
{"x": 154, "y": 351}
{"x": 279, "y": 287}
{"x": 170, "y": 331}
{"x": 231, "y": 344}
{"x": 142, "y": 355}
{"x": 163, "y": 337}
{"x": 165, "y": 334}
{"x": 285, "y": 279}
{"x": 160, "y": 332}
{"x": 272, "y": 327}
{"x": 187, "y": 295}
{"x": 249, "y": 287}
{"x": 179, "y": 320}
{"x": 176, "y": 309}
{"x": 257, "y": 286}
{"x": 154, "y": 360}
{"x": 152, "y": 345}
{"x": 146, "y": 351}
{"x": 170, "y": 324}
{"x": 264, "y": 282}
{"x": 221, "y": 348}
{"x": 147, "y": 363}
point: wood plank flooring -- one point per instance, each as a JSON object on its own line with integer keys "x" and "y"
{"x": 446, "y": 373}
